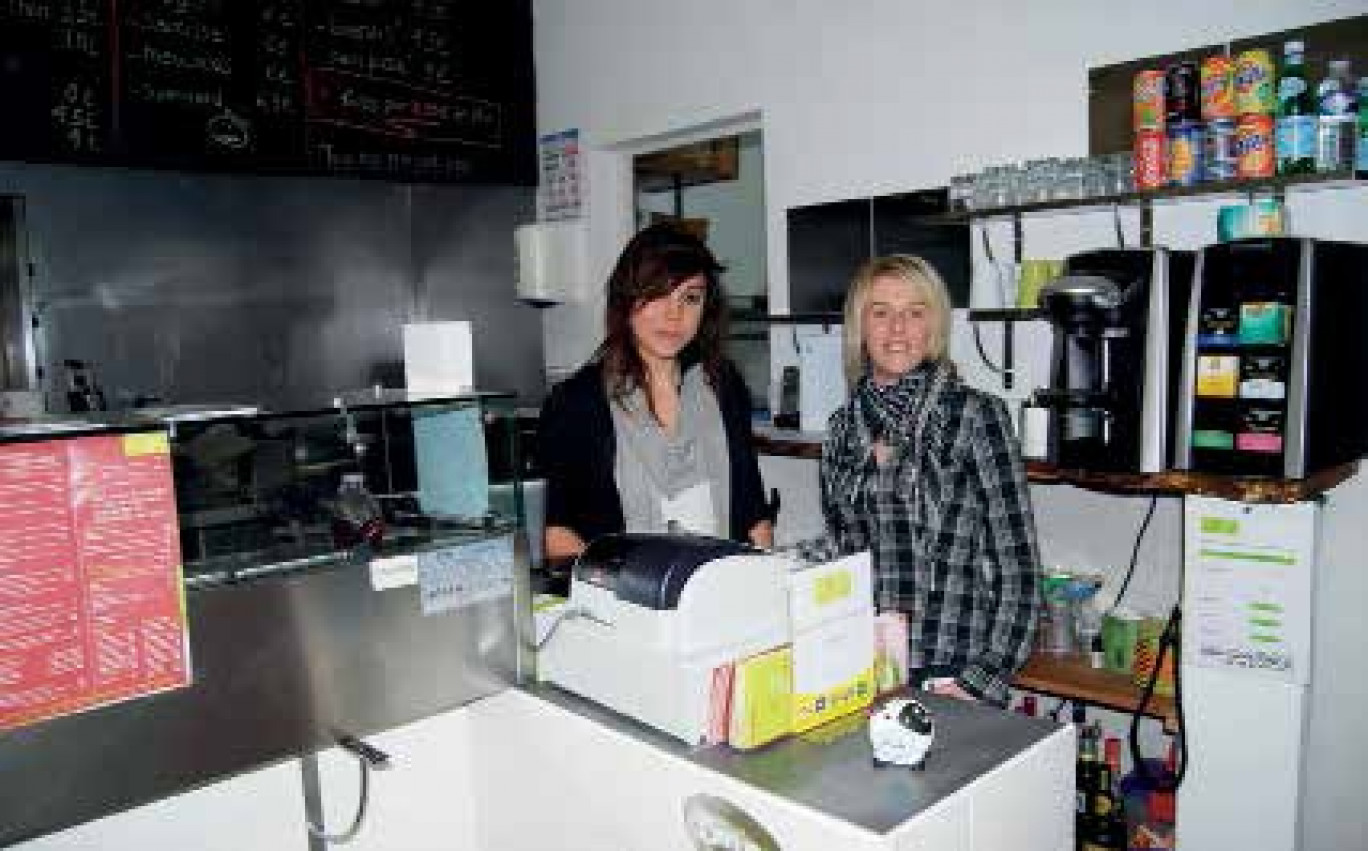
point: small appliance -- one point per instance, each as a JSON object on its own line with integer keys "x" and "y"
{"x": 1275, "y": 370}
{"x": 650, "y": 616}
{"x": 1118, "y": 333}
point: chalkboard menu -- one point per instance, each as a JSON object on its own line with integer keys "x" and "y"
{"x": 421, "y": 90}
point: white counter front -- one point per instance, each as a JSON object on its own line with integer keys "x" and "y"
{"x": 560, "y": 772}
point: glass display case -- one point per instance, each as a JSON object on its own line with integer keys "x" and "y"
{"x": 369, "y": 475}
{"x": 348, "y": 567}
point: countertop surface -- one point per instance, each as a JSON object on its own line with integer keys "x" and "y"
{"x": 831, "y": 769}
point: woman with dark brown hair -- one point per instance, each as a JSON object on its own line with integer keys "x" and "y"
{"x": 654, "y": 434}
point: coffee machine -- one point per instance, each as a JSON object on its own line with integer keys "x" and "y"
{"x": 1275, "y": 370}
{"x": 1118, "y": 326}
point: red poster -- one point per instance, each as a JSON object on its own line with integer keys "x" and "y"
{"x": 91, "y": 609}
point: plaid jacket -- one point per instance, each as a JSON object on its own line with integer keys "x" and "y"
{"x": 948, "y": 521}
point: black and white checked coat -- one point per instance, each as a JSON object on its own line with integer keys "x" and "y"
{"x": 948, "y": 521}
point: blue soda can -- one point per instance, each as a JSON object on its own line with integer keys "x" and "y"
{"x": 1218, "y": 156}
{"x": 1185, "y": 153}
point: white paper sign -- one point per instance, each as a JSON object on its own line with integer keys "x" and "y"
{"x": 466, "y": 574}
{"x": 1247, "y": 586}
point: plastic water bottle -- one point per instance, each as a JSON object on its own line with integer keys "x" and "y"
{"x": 1336, "y": 122}
{"x": 1361, "y": 146}
{"x": 358, "y": 523}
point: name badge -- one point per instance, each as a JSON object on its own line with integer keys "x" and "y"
{"x": 690, "y": 510}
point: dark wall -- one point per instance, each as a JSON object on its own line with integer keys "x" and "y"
{"x": 213, "y": 288}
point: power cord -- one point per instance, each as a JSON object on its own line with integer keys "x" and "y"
{"x": 1135, "y": 554}
{"x": 567, "y": 614}
{"x": 1170, "y": 639}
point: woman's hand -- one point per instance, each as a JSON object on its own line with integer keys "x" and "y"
{"x": 950, "y": 688}
{"x": 559, "y": 542}
{"x": 762, "y": 535}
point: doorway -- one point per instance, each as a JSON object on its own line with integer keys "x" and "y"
{"x": 715, "y": 189}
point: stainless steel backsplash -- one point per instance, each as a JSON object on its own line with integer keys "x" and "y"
{"x": 227, "y": 288}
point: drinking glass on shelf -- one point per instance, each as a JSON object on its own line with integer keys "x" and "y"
{"x": 1122, "y": 172}
{"x": 961, "y": 192}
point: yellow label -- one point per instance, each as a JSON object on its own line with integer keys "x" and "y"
{"x": 810, "y": 710}
{"x": 146, "y": 443}
{"x": 1218, "y": 376}
{"x": 833, "y": 586}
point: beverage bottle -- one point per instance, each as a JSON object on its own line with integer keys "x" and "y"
{"x": 358, "y": 524}
{"x": 1085, "y": 785}
{"x": 1361, "y": 145}
{"x": 1336, "y": 123}
{"x": 1296, "y": 122}
{"x": 1109, "y": 813}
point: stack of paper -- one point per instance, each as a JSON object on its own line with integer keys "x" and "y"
{"x": 762, "y": 696}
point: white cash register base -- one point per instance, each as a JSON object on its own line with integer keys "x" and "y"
{"x": 649, "y": 618}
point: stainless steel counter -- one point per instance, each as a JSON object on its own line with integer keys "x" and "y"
{"x": 831, "y": 769}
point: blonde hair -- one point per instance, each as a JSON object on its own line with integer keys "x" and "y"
{"x": 922, "y": 277}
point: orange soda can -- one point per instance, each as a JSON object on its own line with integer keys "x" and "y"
{"x": 1254, "y": 146}
{"x": 1147, "y": 100}
{"x": 1151, "y": 159}
{"x": 1218, "y": 87}
{"x": 1254, "y": 78}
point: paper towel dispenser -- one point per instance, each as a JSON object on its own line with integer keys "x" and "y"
{"x": 553, "y": 262}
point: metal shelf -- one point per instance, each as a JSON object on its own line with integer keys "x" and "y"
{"x": 1272, "y": 185}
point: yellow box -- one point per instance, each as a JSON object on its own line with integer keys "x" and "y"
{"x": 833, "y": 669}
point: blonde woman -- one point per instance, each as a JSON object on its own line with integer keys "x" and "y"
{"x": 925, "y": 472}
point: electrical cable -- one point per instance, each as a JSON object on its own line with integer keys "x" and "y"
{"x": 567, "y": 614}
{"x": 1134, "y": 556}
{"x": 983, "y": 356}
{"x": 1171, "y": 638}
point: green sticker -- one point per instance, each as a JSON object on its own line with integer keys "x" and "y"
{"x": 1220, "y": 525}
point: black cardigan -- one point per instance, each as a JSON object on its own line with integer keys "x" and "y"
{"x": 577, "y": 445}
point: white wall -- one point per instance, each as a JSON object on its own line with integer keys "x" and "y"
{"x": 862, "y": 98}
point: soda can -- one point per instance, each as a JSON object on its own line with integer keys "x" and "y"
{"x": 1218, "y": 155}
{"x": 1254, "y": 147}
{"x": 1185, "y": 153}
{"x": 1151, "y": 162}
{"x": 1147, "y": 100}
{"x": 1254, "y": 76}
{"x": 1182, "y": 93}
{"x": 1218, "y": 88}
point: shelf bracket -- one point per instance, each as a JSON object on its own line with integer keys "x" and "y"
{"x": 1018, "y": 241}
{"x": 1007, "y": 369}
{"x": 1147, "y": 225}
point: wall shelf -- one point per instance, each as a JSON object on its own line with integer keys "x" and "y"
{"x": 1070, "y": 676}
{"x": 1184, "y": 482}
{"x": 796, "y": 444}
{"x": 1265, "y": 186}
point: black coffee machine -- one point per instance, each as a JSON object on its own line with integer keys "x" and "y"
{"x": 1118, "y": 318}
